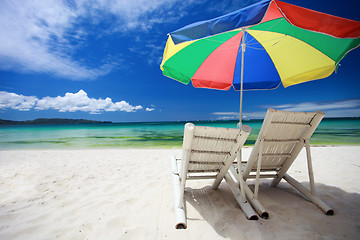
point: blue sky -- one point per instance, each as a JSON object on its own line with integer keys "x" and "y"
{"x": 100, "y": 60}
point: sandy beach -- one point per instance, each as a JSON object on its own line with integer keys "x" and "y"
{"x": 127, "y": 194}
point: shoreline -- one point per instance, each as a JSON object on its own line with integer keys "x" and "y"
{"x": 160, "y": 147}
{"x": 127, "y": 194}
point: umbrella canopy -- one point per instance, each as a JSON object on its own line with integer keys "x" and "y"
{"x": 269, "y": 43}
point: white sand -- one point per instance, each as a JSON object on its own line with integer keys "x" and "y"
{"x": 127, "y": 194}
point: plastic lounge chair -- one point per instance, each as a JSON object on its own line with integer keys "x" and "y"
{"x": 208, "y": 153}
{"x": 280, "y": 140}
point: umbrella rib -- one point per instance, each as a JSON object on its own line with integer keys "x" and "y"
{"x": 256, "y": 48}
{"x": 263, "y": 31}
{"x": 280, "y": 20}
{"x": 271, "y": 40}
{"x": 228, "y": 33}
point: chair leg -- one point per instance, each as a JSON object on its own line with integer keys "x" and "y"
{"x": 310, "y": 168}
{"x": 250, "y": 197}
{"x": 182, "y": 177}
{"x": 257, "y": 181}
{"x": 241, "y": 178}
{"x": 244, "y": 205}
{"x": 314, "y": 199}
{"x": 180, "y": 214}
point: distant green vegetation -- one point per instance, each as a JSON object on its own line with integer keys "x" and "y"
{"x": 40, "y": 121}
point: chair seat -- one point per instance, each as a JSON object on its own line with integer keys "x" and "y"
{"x": 281, "y": 138}
{"x": 208, "y": 153}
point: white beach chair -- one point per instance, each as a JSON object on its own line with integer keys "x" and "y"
{"x": 208, "y": 153}
{"x": 280, "y": 140}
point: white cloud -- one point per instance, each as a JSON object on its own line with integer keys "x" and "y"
{"x": 129, "y": 14}
{"x": 34, "y": 39}
{"x": 70, "y": 102}
{"x": 45, "y": 35}
{"x": 150, "y": 109}
{"x": 225, "y": 113}
{"x": 254, "y": 115}
{"x": 326, "y": 106}
{"x": 337, "y": 108}
{"x": 17, "y": 102}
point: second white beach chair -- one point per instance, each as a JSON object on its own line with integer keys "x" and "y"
{"x": 208, "y": 153}
{"x": 281, "y": 138}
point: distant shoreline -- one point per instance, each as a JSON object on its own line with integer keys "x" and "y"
{"x": 43, "y": 121}
{"x": 46, "y": 121}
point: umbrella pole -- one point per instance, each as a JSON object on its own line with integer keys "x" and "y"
{"x": 241, "y": 182}
{"x": 243, "y": 45}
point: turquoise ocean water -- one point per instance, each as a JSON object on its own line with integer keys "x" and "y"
{"x": 340, "y": 131}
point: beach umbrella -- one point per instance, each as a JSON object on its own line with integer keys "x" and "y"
{"x": 259, "y": 47}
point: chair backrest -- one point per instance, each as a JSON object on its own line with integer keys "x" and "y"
{"x": 209, "y": 149}
{"x": 283, "y": 135}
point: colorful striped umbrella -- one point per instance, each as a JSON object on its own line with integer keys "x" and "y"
{"x": 259, "y": 47}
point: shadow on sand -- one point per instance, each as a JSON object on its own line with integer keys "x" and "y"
{"x": 291, "y": 215}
